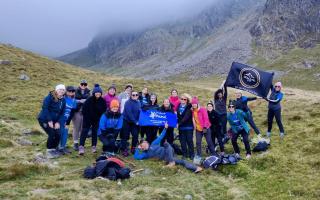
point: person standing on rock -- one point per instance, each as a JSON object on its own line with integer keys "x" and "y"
{"x": 111, "y": 95}
{"x": 125, "y": 96}
{"x": 92, "y": 110}
{"x": 274, "y": 108}
{"x": 174, "y": 99}
{"x": 131, "y": 114}
{"x": 220, "y": 103}
{"x": 50, "y": 116}
{"x": 185, "y": 126}
{"x": 242, "y": 104}
{"x": 237, "y": 121}
{"x": 81, "y": 95}
{"x": 71, "y": 105}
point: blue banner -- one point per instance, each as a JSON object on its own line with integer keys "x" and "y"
{"x": 157, "y": 118}
{"x": 250, "y": 79}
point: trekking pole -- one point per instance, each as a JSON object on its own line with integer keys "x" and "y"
{"x": 126, "y": 161}
{"x": 138, "y": 170}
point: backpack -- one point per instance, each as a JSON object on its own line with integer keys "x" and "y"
{"x": 261, "y": 146}
{"x": 211, "y": 162}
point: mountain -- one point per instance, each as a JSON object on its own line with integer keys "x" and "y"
{"x": 204, "y": 44}
{"x": 286, "y": 24}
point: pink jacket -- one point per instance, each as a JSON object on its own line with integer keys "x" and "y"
{"x": 203, "y": 118}
{"x": 108, "y": 98}
{"x": 175, "y": 101}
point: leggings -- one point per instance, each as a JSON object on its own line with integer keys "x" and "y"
{"x": 245, "y": 137}
{"x": 251, "y": 122}
{"x": 186, "y": 141}
{"x": 85, "y": 130}
{"x": 63, "y": 137}
{"x": 77, "y": 126}
{"x": 53, "y": 135}
{"x": 216, "y": 133}
{"x": 207, "y": 135}
{"x": 169, "y": 137}
{"x": 277, "y": 115}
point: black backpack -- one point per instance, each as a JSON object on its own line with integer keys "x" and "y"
{"x": 211, "y": 162}
{"x": 261, "y": 146}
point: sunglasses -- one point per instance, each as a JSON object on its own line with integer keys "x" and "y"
{"x": 134, "y": 95}
{"x": 183, "y": 99}
{"x": 83, "y": 84}
{"x": 231, "y": 106}
{"x": 71, "y": 91}
{"x": 277, "y": 86}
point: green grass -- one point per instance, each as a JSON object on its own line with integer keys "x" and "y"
{"x": 288, "y": 170}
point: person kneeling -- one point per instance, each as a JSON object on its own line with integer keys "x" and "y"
{"x": 165, "y": 152}
{"x": 109, "y": 127}
{"x": 239, "y": 126}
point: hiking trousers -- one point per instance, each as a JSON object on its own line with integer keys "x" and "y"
{"x": 77, "y": 126}
{"x": 87, "y": 124}
{"x": 207, "y": 135}
{"x": 151, "y": 132}
{"x": 169, "y": 137}
{"x": 217, "y": 134}
{"x": 186, "y": 141}
{"x": 245, "y": 138}
{"x": 53, "y": 135}
{"x": 127, "y": 129}
{"x": 169, "y": 157}
{"x": 251, "y": 122}
{"x": 277, "y": 114}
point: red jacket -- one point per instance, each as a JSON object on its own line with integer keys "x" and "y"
{"x": 175, "y": 101}
{"x": 203, "y": 118}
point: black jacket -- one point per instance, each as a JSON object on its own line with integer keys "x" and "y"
{"x": 214, "y": 118}
{"x": 141, "y": 99}
{"x": 93, "y": 109}
{"x": 185, "y": 118}
{"x": 79, "y": 96}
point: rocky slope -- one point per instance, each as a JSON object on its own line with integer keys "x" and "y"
{"x": 286, "y": 24}
{"x": 202, "y": 45}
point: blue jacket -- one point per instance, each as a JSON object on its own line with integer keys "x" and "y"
{"x": 110, "y": 122}
{"x": 155, "y": 150}
{"x": 71, "y": 106}
{"x": 131, "y": 111}
{"x": 241, "y": 116}
{"x": 276, "y": 97}
{"x": 52, "y": 108}
{"x": 242, "y": 103}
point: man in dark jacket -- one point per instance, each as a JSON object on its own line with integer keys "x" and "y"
{"x": 92, "y": 110}
{"x": 131, "y": 114}
{"x": 82, "y": 94}
{"x": 185, "y": 126}
{"x": 241, "y": 103}
{"x": 52, "y": 113}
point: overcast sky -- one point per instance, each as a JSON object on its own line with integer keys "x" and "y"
{"x": 57, "y": 27}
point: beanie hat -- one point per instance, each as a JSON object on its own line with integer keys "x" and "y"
{"x": 96, "y": 89}
{"x": 83, "y": 81}
{"x": 232, "y": 103}
{"x": 114, "y": 104}
{"x": 60, "y": 87}
{"x": 195, "y": 100}
{"x": 70, "y": 88}
{"x": 210, "y": 103}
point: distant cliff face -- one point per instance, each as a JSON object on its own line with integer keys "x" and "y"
{"x": 285, "y": 24}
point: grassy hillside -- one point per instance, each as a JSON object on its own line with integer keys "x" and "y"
{"x": 289, "y": 170}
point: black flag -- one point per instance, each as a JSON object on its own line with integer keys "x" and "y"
{"x": 250, "y": 79}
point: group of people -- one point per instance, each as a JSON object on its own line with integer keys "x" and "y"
{"x": 109, "y": 115}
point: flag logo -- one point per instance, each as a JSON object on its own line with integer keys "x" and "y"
{"x": 249, "y": 77}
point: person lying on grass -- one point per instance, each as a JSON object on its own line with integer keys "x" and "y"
{"x": 165, "y": 152}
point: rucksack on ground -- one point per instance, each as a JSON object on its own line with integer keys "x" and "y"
{"x": 211, "y": 162}
{"x": 261, "y": 146}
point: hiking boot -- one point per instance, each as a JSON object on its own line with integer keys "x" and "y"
{"x": 268, "y": 134}
{"x": 51, "y": 154}
{"x": 81, "y": 150}
{"x": 94, "y": 149}
{"x": 66, "y": 151}
{"x": 125, "y": 153}
{"x": 76, "y": 146}
{"x": 248, "y": 156}
{"x": 281, "y": 136}
{"x": 61, "y": 151}
{"x": 238, "y": 157}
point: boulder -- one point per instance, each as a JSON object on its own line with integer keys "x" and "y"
{"x": 24, "y": 77}
{"x": 5, "y": 62}
{"x": 24, "y": 142}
